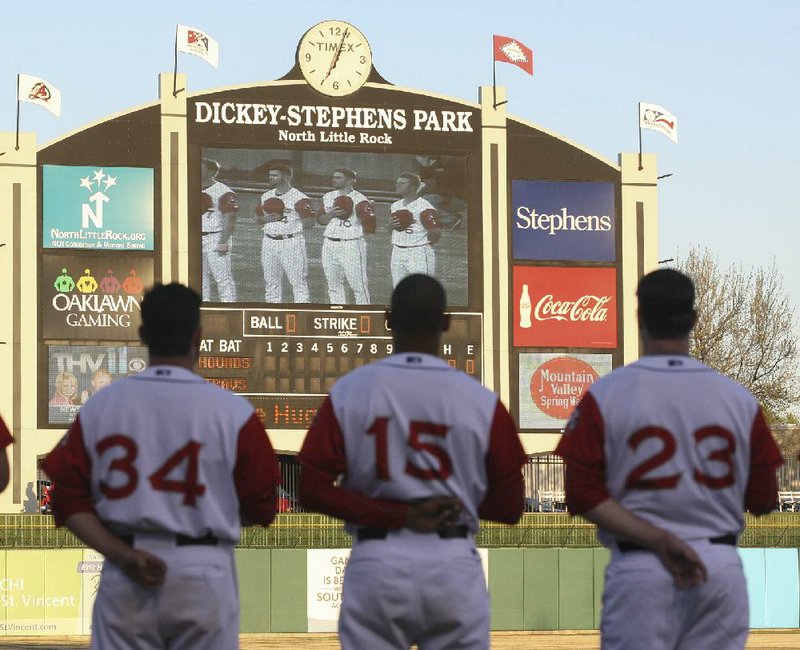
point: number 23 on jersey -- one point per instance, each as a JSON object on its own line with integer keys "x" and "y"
{"x": 646, "y": 477}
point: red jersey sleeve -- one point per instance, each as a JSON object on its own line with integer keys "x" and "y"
{"x": 322, "y": 459}
{"x": 761, "y": 494}
{"x": 5, "y": 435}
{"x": 505, "y": 495}
{"x": 70, "y": 469}
{"x": 366, "y": 214}
{"x": 582, "y": 448}
{"x": 256, "y": 474}
{"x": 305, "y": 209}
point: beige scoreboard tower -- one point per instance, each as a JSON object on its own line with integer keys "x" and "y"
{"x": 540, "y": 248}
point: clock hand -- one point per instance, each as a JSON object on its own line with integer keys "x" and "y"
{"x": 336, "y": 56}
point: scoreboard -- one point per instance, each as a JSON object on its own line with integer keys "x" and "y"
{"x": 286, "y": 360}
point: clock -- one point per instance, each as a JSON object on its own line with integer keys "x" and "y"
{"x": 335, "y": 58}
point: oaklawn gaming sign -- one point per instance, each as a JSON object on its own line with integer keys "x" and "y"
{"x": 100, "y": 208}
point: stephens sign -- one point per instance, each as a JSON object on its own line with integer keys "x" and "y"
{"x": 90, "y": 297}
{"x": 99, "y": 208}
{"x": 551, "y": 385}
{"x": 565, "y": 307}
{"x": 563, "y": 221}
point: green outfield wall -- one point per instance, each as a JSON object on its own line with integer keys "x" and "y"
{"x": 51, "y": 591}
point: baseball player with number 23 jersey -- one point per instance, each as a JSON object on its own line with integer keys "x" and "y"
{"x": 674, "y": 451}
{"x": 424, "y": 451}
{"x": 155, "y": 473}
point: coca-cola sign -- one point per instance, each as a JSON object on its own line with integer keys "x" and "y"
{"x": 565, "y": 307}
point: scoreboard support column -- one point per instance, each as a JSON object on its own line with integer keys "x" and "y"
{"x": 496, "y": 350}
{"x": 20, "y": 288}
{"x": 639, "y": 239}
{"x": 174, "y": 192}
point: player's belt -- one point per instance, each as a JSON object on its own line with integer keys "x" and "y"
{"x": 343, "y": 239}
{"x": 180, "y": 540}
{"x": 280, "y": 237}
{"x": 369, "y": 532}
{"x": 210, "y": 232}
{"x": 628, "y": 547}
{"x": 414, "y": 246}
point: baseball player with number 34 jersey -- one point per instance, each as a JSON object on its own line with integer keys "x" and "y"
{"x": 424, "y": 451}
{"x": 155, "y": 474}
{"x": 664, "y": 455}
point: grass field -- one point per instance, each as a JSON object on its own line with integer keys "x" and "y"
{"x": 774, "y": 639}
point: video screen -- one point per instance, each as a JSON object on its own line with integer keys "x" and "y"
{"x": 76, "y": 372}
{"x": 329, "y": 228}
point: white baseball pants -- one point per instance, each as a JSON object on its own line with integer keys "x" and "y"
{"x": 642, "y": 607}
{"x": 413, "y": 588}
{"x": 279, "y": 256}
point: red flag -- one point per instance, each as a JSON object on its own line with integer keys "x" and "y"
{"x": 510, "y": 50}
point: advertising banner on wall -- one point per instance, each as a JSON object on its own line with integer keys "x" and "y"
{"x": 563, "y": 221}
{"x": 324, "y": 595}
{"x": 98, "y": 208}
{"x": 551, "y": 385}
{"x": 76, "y": 372}
{"x": 565, "y": 307}
{"x": 90, "y": 297}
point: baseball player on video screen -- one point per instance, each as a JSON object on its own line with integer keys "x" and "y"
{"x": 284, "y": 211}
{"x": 156, "y": 473}
{"x": 415, "y": 229}
{"x": 218, "y": 205}
{"x": 410, "y": 453}
{"x": 664, "y": 455}
{"x": 347, "y": 215}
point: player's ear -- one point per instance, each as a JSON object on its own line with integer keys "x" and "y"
{"x": 445, "y": 322}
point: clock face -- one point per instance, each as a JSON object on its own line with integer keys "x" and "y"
{"x": 335, "y": 58}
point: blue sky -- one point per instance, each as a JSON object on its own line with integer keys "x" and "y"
{"x": 728, "y": 70}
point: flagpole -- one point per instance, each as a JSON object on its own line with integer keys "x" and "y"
{"x": 16, "y": 148}
{"x": 175, "y": 69}
{"x": 639, "y": 120}
{"x": 494, "y": 82}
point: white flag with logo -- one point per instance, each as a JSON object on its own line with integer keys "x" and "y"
{"x": 197, "y": 42}
{"x": 35, "y": 90}
{"x": 658, "y": 118}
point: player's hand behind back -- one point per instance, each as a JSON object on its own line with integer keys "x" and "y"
{"x": 143, "y": 568}
{"x": 681, "y": 561}
{"x": 433, "y": 514}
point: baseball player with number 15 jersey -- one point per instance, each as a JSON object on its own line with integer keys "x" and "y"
{"x": 423, "y": 452}
{"x": 664, "y": 455}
